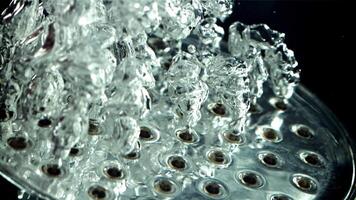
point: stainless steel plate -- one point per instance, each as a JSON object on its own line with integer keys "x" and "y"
{"x": 290, "y": 150}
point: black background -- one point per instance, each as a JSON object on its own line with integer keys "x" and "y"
{"x": 319, "y": 32}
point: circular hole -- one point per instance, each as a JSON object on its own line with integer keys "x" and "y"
{"x": 114, "y": 173}
{"x": 146, "y": 133}
{"x": 250, "y": 179}
{"x": 74, "y": 151}
{"x": 233, "y": 138}
{"x": 254, "y": 109}
{"x": 17, "y": 143}
{"x": 217, "y": 109}
{"x": 44, "y": 123}
{"x": 97, "y": 192}
{"x": 213, "y": 188}
{"x": 269, "y": 159}
{"x": 217, "y": 157}
{"x": 52, "y": 170}
{"x": 166, "y": 65}
{"x": 312, "y": 159}
{"x": 93, "y": 128}
{"x": 177, "y": 162}
{"x": 281, "y": 197}
{"x": 186, "y": 136}
{"x": 132, "y": 155}
{"x": 304, "y": 183}
{"x": 304, "y": 132}
{"x": 270, "y": 135}
{"x": 281, "y": 105}
{"x": 164, "y": 186}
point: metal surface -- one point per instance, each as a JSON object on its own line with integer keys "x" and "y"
{"x": 295, "y": 150}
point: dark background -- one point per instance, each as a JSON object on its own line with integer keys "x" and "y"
{"x": 318, "y": 32}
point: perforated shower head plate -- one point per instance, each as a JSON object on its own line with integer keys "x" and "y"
{"x": 292, "y": 150}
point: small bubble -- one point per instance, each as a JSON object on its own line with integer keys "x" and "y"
{"x": 191, "y": 48}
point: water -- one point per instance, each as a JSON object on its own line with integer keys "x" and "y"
{"x": 143, "y": 99}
